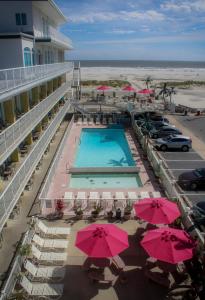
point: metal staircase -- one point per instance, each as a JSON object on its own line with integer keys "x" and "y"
{"x": 76, "y": 83}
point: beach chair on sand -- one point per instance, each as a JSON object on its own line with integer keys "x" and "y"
{"x": 50, "y": 243}
{"x": 45, "y": 230}
{"x": 41, "y": 289}
{"x": 39, "y": 273}
{"x": 48, "y": 257}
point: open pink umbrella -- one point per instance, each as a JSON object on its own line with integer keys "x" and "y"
{"x": 169, "y": 244}
{"x": 157, "y": 210}
{"x": 103, "y": 88}
{"x": 146, "y": 91}
{"x": 102, "y": 240}
{"x": 129, "y": 88}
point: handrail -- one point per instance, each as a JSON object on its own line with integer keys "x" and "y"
{"x": 12, "y": 136}
{"x": 12, "y": 192}
{"x": 17, "y": 77}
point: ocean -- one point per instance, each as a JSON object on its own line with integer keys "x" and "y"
{"x": 142, "y": 64}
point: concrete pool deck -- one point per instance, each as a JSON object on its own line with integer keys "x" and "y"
{"x": 60, "y": 182}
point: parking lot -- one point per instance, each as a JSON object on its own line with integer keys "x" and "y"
{"x": 180, "y": 162}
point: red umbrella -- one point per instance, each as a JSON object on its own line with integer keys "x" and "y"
{"x": 129, "y": 88}
{"x": 103, "y": 88}
{"x": 146, "y": 91}
{"x": 157, "y": 210}
{"x": 169, "y": 244}
{"x": 102, "y": 240}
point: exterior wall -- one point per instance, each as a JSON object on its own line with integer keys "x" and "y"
{"x": 8, "y": 9}
{"x": 11, "y": 53}
{"x": 38, "y": 17}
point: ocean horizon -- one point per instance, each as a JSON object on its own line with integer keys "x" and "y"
{"x": 141, "y": 64}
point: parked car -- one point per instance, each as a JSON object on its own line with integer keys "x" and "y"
{"x": 159, "y": 124}
{"x": 156, "y": 118}
{"x": 180, "y": 142}
{"x": 164, "y": 132}
{"x": 192, "y": 180}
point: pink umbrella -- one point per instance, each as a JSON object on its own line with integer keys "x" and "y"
{"x": 129, "y": 88}
{"x": 157, "y": 210}
{"x": 102, "y": 240}
{"x": 146, "y": 91}
{"x": 169, "y": 244}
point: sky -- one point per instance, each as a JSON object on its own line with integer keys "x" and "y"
{"x": 135, "y": 30}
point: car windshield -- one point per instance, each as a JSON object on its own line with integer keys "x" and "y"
{"x": 199, "y": 172}
{"x": 168, "y": 138}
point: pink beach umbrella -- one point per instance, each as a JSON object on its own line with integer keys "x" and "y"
{"x": 103, "y": 88}
{"x": 157, "y": 210}
{"x": 169, "y": 245}
{"x": 129, "y": 88}
{"x": 102, "y": 240}
{"x": 146, "y": 92}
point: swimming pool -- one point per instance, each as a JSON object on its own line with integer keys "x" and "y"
{"x": 93, "y": 181}
{"x": 103, "y": 147}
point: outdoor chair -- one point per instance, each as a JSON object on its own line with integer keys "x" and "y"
{"x": 41, "y": 289}
{"x": 97, "y": 122}
{"x": 40, "y": 273}
{"x": 104, "y": 121}
{"x": 132, "y": 197}
{"x": 90, "y": 120}
{"x": 45, "y": 230}
{"x": 94, "y": 196}
{"x": 48, "y": 257}
{"x": 80, "y": 121}
{"x": 85, "y": 121}
{"x": 144, "y": 195}
{"x": 50, "y": 243}
{"x": 156, "y": 194}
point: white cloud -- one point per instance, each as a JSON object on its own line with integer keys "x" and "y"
{"x": 120, "y": 31}
{"x": 149, "y": 15}
{"x": 184, "y": 6}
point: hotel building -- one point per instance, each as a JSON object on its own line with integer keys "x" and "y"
{"x": 35, "y": 84}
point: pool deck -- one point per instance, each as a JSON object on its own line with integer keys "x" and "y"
{"x": 61, "y": 179}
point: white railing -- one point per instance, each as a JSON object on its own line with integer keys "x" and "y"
{"x": 17, "y": 77}
{"x": 11, "y": 137}
{"x": 16, "y": 267}
{"x": 11, "y": 194}
{"x": 55, "y": 162}
{"x": 60, "y": 37}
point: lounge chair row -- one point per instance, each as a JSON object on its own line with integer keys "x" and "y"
{"x": 84, "y": 120}
{"x": 37, "y": 274}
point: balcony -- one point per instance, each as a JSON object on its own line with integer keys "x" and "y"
{"x": 12, "y": 192}
{"x": 18, "y": 77}
{"x": 53, "y": 36}
{"x": 11, "y": 137}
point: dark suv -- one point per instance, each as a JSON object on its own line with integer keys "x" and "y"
{"x": 193, "y": 179}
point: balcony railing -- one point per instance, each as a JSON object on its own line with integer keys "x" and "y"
{"x": 54, "y": 35}
{"x": 17, "y": 77}
{"x": 11, "y": 137}
{"x": 11, "y": 194}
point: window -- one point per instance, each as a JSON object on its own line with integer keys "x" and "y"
{"x": 27, "y": 57}
{"x": 21, "y": 19}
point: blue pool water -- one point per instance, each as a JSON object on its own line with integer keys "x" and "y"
{"x": 93, "y": 181}
{"x": 103, "y": 148}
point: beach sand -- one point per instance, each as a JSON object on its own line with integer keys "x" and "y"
{"x": 193, "y": 97}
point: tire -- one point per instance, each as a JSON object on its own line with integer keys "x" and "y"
{"x": 185, "y": 148}
{"x": 163, "y": 147}
{"x": 193, "y": 186}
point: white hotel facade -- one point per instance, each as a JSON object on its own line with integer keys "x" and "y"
{"x": 35, "y": 86}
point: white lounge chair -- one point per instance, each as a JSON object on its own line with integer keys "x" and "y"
{"x": 94, "y": 196}
{"x": 132, "y": 197}
{"x": 81, "y": 196}
{"x": 109, "y": 204}
{"x": 107, "y": 196}
{"x": 104, "y": 121}
{"x": 97, "y": 120}
{"x": 46, "y": 272}
{"x": 144, "y": 195}
{"x": 41, "y": 289}
{"x": 50, "y": 243}
{"x": 80, "y": 121}
{"x": 52, "y": 230}
{"x": 90, "y": 120}
{"x": 120, "y": 196}
{"x": 48, "y": 257}
{"x": 85, "y": 121}
{"x": 156, "y": 194}
{"x": 110, "y": 121}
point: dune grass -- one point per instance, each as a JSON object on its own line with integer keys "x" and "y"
{"x": 112, "y": 83}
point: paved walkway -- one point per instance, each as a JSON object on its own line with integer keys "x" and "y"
{"x": 29, "y": 205}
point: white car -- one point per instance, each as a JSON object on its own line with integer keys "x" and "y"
{"x": 180, "y": 142}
